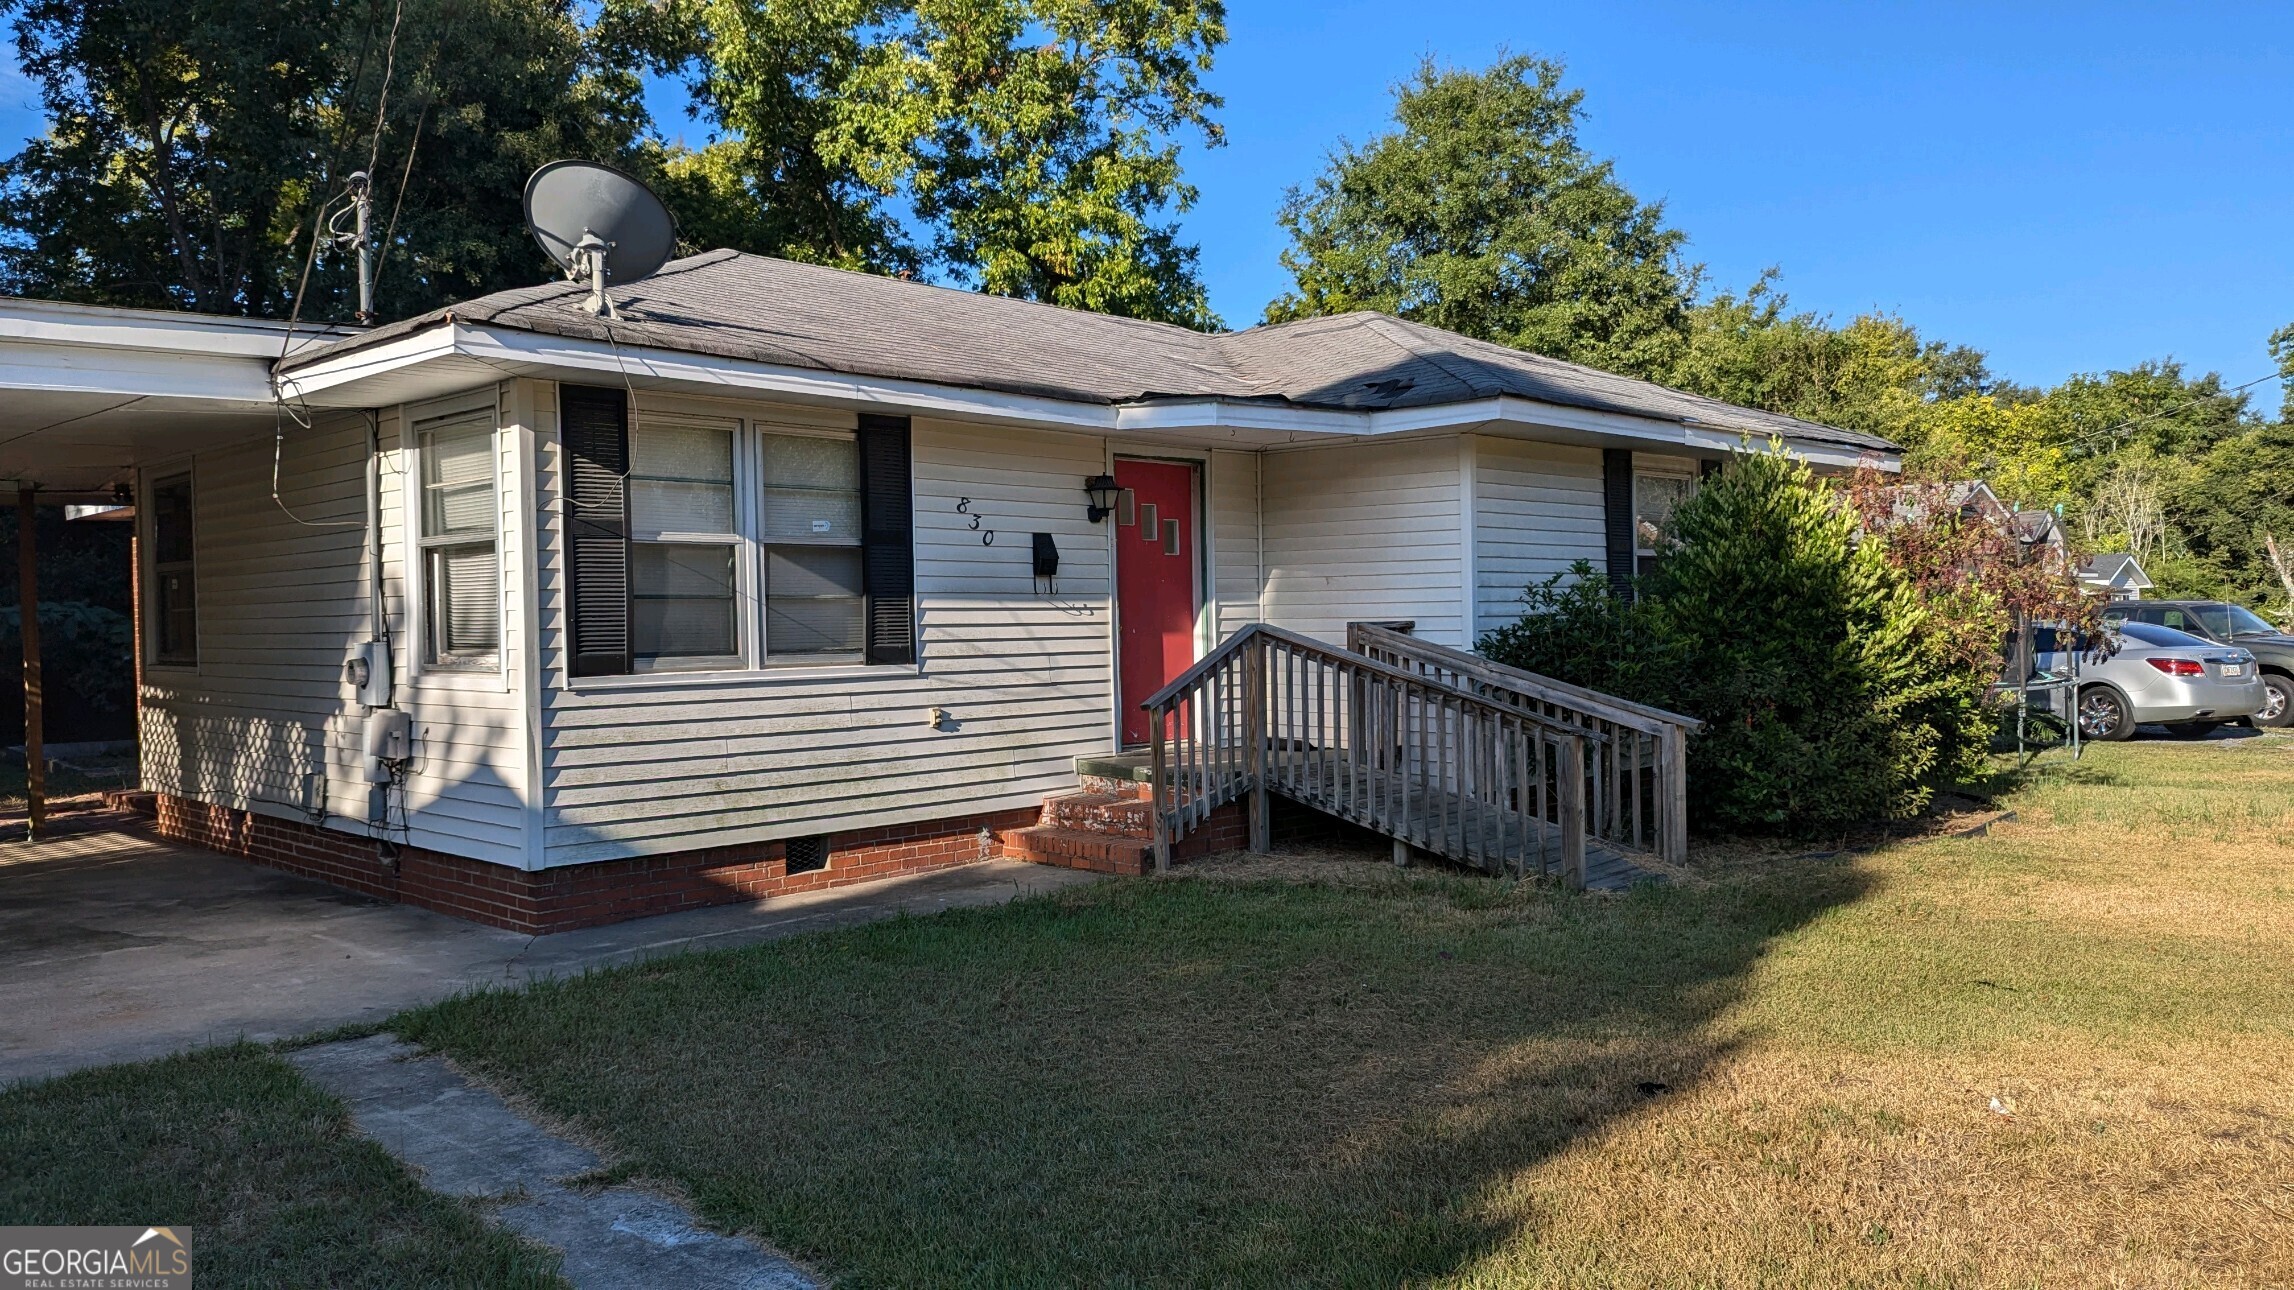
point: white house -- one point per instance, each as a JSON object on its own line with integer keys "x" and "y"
{"x": 786, "y": 569}
{"x": 2113, "y": 575}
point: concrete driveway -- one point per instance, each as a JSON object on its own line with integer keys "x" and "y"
{"x": 115, "y": 946}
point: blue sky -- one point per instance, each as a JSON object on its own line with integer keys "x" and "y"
{"x": 2070, "y": 188}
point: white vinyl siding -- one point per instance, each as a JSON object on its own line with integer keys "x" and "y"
{"x": 281, "y": 605}
{"x": 1236, "y": 576}
{"x": 1364, "y": 532}
{"x": 1537, "y": 509}
{"x": 653, "y": 764}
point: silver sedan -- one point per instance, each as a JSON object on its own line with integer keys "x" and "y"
{"x": 2158, "y": 675}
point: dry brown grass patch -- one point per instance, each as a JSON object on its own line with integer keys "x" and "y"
{"x": 1835, "y": 1170}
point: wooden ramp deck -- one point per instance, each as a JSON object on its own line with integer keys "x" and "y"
{"x": 1458, "y": 827}
{"x": 1489, "y": 767}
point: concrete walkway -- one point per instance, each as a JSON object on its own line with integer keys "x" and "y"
{"x": 117, "y": 947}
{"x": 461, "y": 1139}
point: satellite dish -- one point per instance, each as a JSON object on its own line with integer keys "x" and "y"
{"x": 601, "y": 226}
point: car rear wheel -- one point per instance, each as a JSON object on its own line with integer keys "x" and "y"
{"x": 2278, "y": 704}
{"x": 2103, "y": 715}
{"x": 2193, "y": 729}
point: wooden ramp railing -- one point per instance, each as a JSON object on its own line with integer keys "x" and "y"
{"x": 1498, "y": 776}
{"x": 1638, "y": 772}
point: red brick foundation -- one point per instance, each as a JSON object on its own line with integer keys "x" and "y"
{"x": 570, "y": 896}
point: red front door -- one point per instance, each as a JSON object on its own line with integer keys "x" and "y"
{"x": 1154, "y": 581}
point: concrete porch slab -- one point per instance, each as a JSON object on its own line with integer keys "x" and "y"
{"x": 115, "y": 946}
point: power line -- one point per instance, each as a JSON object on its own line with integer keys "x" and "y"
{"x": 2132, "y": 422}
{"x": 319, "y": 217}
{"x": 382, "y": 256}
{"x": 282, "y": 412}
{"x": 382, "y": 100}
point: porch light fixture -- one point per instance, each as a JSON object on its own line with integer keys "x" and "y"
{"x": 1102, "y": 490}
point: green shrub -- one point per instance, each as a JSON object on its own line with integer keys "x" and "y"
{"x": 1577, "y": 629}
{"x": 85, "y": 649}
{"x": 1806, "y": 655}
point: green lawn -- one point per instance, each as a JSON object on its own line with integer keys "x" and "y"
{"x": 1369, "y": 1080}
{"x": 2056, "y": 1055}
{"x": 263, "y": 1168}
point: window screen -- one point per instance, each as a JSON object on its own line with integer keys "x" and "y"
{"x": 175, "y": 603}
{"x": 462, "y": 576}
{"x": 811, "y": 527}
{"x": 1655, "y": 498}
{"x": 812, "y": 600}
{"x": 684, "y": 601}
{"x": 684, "y": 587}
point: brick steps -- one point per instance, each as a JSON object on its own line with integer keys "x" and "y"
{"x": 1104, "y": 827}
{"x": 1107, "y": 825}
{"x": 1080, "y": 849}
{"x": 1128, "y": 817}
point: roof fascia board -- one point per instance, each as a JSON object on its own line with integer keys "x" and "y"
{"x": 1499, "y": 410}
{"x": 1514, "y": 410}
{"x": 314, "y": 380}
{"x": 1204, "y": 414}
{"x": 100, "y": 327}
{"x": 176, "y": 376}
{"x": 533, "y": 353}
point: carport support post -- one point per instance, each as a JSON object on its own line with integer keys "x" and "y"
{"x": 28, "y": 629}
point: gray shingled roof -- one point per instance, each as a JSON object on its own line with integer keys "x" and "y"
{"x": 751, "y": 307}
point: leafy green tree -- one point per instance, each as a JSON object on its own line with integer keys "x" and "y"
{"x": 769, "y": 77}
{"x": 1875, "y": 374}
{"x": 180, "y": 139}
{"x": 1026, "y": 147}
{"x": 1483, "y": 214}
{"x": 191, "y": 141}
{"x": 2282, "y": 353}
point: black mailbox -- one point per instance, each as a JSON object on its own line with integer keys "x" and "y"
{"x": 1046, "y": 557}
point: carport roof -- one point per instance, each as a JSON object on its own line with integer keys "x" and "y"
{"x": 88, "y": 391}
{"x": 757, "y": 309}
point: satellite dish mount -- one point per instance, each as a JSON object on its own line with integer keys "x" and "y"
{"x": 589, "y": 266}
{"x": 602, "y": 227}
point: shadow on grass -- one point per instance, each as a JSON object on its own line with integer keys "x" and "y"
{"x": 1144, "y": 1082}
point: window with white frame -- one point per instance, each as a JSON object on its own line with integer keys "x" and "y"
{"x": 684, "y": 544}
{"x": 175, "y": 606}
{"x": 1655, "y": 497}
{"x": 809, "y": 518}
{"x": 461, "y": 572}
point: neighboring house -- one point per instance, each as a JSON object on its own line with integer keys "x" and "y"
{"x": 2038, "y": 530}
{"x": 785, "y": 564}
{"x": 2113, "y": 575}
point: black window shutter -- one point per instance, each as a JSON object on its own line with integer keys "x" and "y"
{"x": 1617, "y": 516}
{"x": 593, "y": 425}
{"x": 887, "y": 527}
